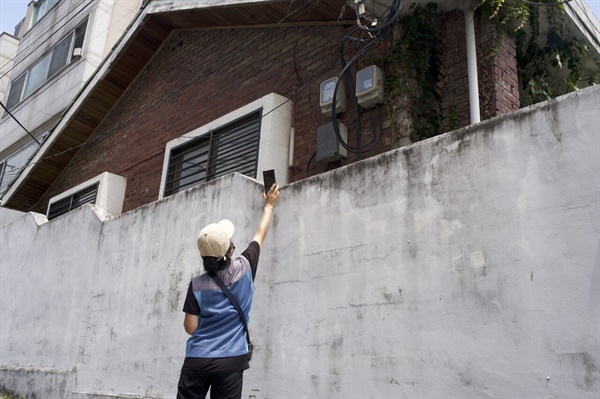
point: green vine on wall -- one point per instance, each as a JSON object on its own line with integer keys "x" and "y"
{"x": 548, "y": 65}
{"x": 510, "y": 14}
{"x": 416, "y": 53}
{"x": 555, "y": 67}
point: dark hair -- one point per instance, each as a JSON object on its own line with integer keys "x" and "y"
{"x": 212, "y": 264}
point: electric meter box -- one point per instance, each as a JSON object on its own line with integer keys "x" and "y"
{"x": 328, "y": 146}
{"x": 327, "y": 88}
{"x": 369, "y": 86}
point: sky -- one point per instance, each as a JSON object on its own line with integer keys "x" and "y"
{"x": 12, "y": 11}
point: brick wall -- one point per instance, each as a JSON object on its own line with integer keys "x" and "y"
{"x": 497, "y": 74}
{"x": 199, "y": 76}
{"x": 498, "y": 79}
{"x": 455, "y": 81}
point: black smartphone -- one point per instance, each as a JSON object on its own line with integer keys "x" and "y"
{"x": 269, "y": 179}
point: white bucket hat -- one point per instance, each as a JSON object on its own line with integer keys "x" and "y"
{"x": 214, "y": 239}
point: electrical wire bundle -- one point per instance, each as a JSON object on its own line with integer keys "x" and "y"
{"x": 369, "y": 36}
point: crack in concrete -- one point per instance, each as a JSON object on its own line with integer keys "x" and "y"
{"x": 365, "y": 305}
{"x": 336, "y": 249}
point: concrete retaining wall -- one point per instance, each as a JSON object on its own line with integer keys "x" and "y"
{"x": 464, "y": 266}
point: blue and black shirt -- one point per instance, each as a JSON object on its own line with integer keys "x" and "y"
{"x": 219, "y": 344}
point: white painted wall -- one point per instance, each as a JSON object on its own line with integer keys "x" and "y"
{"x": 463, "y": 266}
{"x": 7, "y": 216}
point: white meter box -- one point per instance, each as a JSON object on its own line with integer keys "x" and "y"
{"x": 327, "y": 88}
{"x": 369, "y": 86}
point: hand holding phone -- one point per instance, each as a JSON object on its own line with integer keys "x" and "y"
{"x": 269, "y": 179}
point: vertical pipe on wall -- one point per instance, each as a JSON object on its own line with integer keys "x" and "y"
{"x": 291, "y": 153}
{"x": 472, "y": 67}
{"x": 292, "y": 137}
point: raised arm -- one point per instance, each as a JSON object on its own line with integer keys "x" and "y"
{"x": 271, "y": 200}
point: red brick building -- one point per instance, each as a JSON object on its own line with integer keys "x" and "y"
{"x": 181, "y": 73}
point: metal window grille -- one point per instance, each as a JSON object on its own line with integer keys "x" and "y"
{"x": 85, "y": 196}
{"x": 232, "y": 148}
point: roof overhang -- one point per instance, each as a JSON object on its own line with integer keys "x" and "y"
{"x": 142, "y": 39}
{"x": 154, "y": 23}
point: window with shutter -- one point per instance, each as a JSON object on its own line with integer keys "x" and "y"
{"x": 85, "y": 196}
{"x": 246, "y": 140}
{"x": 232, "y": 148}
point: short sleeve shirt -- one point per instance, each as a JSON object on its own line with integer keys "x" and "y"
{"x": 219, "y": 344}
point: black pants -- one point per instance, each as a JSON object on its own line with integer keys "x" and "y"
{"x": 222, "y": 386}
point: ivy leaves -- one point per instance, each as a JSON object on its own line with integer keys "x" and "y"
{"x": 417, "y": 53}
{"x": 548, "y": 65}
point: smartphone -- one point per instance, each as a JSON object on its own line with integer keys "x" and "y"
{"x": 269, "y": 179}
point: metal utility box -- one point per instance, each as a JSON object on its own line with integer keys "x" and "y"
{"x": 328, "y": 146}
{"x": 369, "y": 86}
{"x": 327, "y": 88}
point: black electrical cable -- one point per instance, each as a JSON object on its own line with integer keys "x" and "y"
{"x": 393, "y": 11}
{"x": 333, "y": 110}
{"x": 349, "y": 82}
{"x": 237, "y": 49}
{"x": 393, "y": 14}
{"x": 348, "y": 76}
{"x": 360, "y": 148}
{"x": 16, "y": 120}
{"x": 310, "y": 160}
{"x": 102, "y": 134}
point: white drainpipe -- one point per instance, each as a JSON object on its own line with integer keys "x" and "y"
{"x": 472, "y": 67}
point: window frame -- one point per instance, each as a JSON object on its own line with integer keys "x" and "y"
{"x": 208, "y": 147}
{"x": 69, "y": 203}
{"x": 36, "y": 16}
{"x": 24, "y": 91}
{"x": 274, "y": 136}
{"x": 16, "y": 153}
{"x": 109, "y": 196}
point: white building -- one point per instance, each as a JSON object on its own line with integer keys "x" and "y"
{"x": 59, "y": 44}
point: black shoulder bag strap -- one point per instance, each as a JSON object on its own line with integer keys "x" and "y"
{"x": 237, "y": 307}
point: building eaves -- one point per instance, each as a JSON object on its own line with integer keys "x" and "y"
{"x": 128, "y": 58}
{"x": 152, "y": 26}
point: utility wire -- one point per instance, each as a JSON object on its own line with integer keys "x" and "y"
{"x": 56, "y": 30}
{"x": 180, "y": 87}
{"x": 89, "y": 40}
{"x": 16, "y": 120}
{"x": 82, "y": 33}
{"x": 378, "y": 34}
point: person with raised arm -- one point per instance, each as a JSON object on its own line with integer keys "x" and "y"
{"x": 217, "y": 352}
